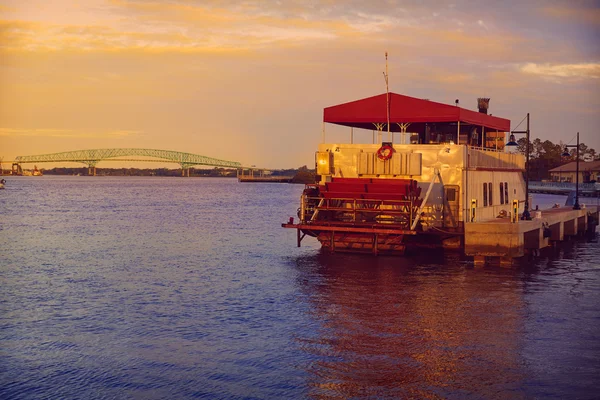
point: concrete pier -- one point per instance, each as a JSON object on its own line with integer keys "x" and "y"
{"x": 502, "y": 240}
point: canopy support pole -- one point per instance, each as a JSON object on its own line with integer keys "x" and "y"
{"x": 458, "y": 133}
{"x": 403, "y": 127}
{"x": 379, "y": 127}
{"x": 484, "y": 142}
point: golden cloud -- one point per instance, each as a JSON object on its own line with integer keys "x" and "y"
{"x": 27, "y": 36}
{"x": 66, "y": 133}
{"x": 585, "y": 70}
{"x": 243, "y": 28}
{"x": 156, "y": 26}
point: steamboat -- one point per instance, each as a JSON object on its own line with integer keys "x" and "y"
{"x": 441, "y": 167}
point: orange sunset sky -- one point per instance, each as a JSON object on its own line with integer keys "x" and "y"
{"x": 248, "y": 80}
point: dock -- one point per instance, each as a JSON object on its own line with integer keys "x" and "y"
{"x": 271, "y": 179}
{"x": 585, "y": 189}
{"x": 503, "y": 240}
{"x": 255, "y": 175}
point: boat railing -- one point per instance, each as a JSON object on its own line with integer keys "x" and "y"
{"x": 493, "y": 150}
{"x": 483, "y": 158}
{"x": 357, "y": 211}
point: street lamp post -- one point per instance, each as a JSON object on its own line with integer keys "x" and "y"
{"x": 566, "y": 154}
{"x": 512, "y": 142}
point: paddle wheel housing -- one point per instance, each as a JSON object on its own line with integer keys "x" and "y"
{"x": 359, "y": 214}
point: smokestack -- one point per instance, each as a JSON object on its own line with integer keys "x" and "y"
{"x": 483, "y": 103}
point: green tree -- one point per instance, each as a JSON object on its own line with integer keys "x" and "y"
{"x": 546, "y": 155}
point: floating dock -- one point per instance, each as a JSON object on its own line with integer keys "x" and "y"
{"x": 271, "y": 179}
{"x": 502, "y": 240}
{"x": 585, "y": 189}
{"x": 255, "y": 175}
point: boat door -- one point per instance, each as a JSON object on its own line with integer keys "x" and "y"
{"x": 451, "y": 204}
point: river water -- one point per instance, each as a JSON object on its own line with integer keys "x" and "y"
{"x": 154, "y": 288}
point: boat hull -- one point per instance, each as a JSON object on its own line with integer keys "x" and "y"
{"x": 362, "y": 243}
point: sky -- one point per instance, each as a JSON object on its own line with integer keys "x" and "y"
{"x": 247, "y": 81}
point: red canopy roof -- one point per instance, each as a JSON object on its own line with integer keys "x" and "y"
{"x": 365, "y": 112}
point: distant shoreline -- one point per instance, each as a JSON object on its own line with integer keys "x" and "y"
{"x": 300, "y": 175}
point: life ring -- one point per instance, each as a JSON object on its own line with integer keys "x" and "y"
{"x": 385, "y": 152}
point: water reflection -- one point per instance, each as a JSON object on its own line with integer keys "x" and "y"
{"x": 428, "y": 327}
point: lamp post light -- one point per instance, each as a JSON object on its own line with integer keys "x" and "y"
{"x": 566, "y": 154}
{"x": 512, "y": 142}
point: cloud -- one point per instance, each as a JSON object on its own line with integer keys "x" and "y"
{"x": 36, "y": 36}
{"x": 585, "y": 70}
{"x": 66, "y": 133}
{"x": 36, "y": 132}
{"x": 197, "y": 27}
{"x": 588, "y": 15}
{"x": 123, "y": 133}
{"x": 371, "y": 22}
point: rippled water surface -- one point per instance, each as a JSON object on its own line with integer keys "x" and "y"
{"x": 155, "y": 288}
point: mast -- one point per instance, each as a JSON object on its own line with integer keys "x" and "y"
{"x": 387, "y": 96}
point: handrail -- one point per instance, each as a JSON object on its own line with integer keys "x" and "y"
{"x": 383, "y": 202}
{"x": 567, "y": 185}
{"x": 364, "y": 206}
{"x": 485, "y": 149}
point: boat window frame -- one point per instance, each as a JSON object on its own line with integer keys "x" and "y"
{"x": 491, "y": 192}
{"x": 485, "y": 192}
{"x": 506, "y": 192}
{"x": 501, "y": 193}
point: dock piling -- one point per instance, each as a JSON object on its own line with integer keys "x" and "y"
{"x": 501, "y": 238}
{"x": 557, "y": 231}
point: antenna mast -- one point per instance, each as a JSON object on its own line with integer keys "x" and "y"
{"x": 387, "y": 96}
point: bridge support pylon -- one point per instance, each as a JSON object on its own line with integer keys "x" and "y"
{"x": 185, "y": 169}
{"x": 92, "y": 167}
{"x": 16, "y": 169}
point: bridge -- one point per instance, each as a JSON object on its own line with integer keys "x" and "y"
{"x": 92, "y": 157}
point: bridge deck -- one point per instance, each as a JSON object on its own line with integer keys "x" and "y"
{"x": 94, "y": 156}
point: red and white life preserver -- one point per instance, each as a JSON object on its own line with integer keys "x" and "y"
{"x": 385, "y": 152}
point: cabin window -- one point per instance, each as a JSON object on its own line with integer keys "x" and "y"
{"x": 451, "y": 195}
{"x": 485, "y": 192}
{"x": 491, "y": 191}
{"x": 501, "y": 192}
{"x": 506, "y": 192}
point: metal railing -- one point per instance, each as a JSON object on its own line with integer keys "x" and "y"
{"x": 564, "y": 187}
{"x": 357, "y": 211}
{"x": 493, "y": 159}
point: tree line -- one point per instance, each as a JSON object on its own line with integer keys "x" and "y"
{"x": 546, "y": 155}
{"x": 301, "y": 174}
